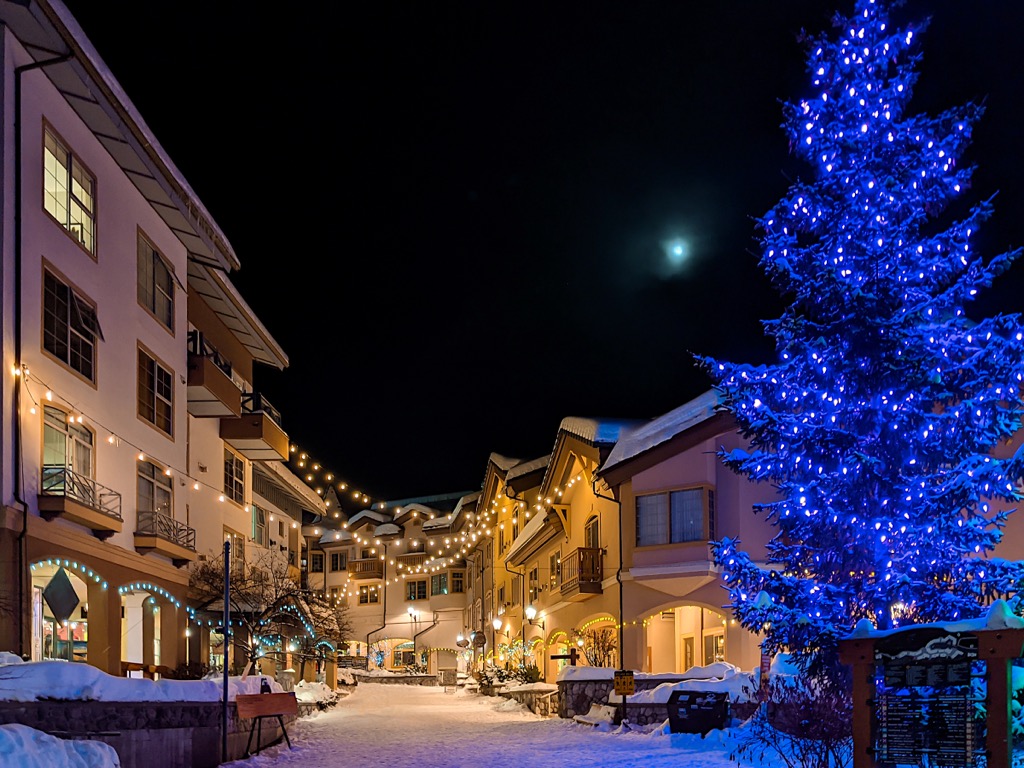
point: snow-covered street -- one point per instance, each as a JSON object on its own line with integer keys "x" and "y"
{"x": 419, "y": 727}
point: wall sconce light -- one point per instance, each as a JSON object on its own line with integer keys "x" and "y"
{"x": 531, "y": 616}
{"x": 414, "y": 615}
{"x": 496, "y": 624}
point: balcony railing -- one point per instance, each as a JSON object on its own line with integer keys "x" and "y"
{"x": 583, "y": 571}
{"x": 167, "y": 528}
{"x": 65, "y": 482}
{"x": 199, "y": 346}
{"x": 366, "y": 568}
{"x": 254, "y": 402}
{"x": 411, "y": 559}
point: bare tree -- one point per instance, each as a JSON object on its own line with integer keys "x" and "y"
{"x": 273, "y": 613}
{"x": 599, "y": 645}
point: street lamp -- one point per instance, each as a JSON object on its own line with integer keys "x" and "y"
{"x": 496, "y": 624}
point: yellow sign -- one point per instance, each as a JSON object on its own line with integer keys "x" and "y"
{"x": 624, "y": 684}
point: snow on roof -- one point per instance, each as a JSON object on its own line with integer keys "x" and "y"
{"x": 526, "y": 467}
{"x": 335, "y": 537}
{"x": 387, "y": 529}
{"x": 999, "y": 616}
{"x": 643, "y": 438}
{"x": 595, "y": 431}
{"x": 369, "y": 516}
{"x": 531, "y": 529}
{"x": 442, "y": 521}
{"x": 503, "y": 463}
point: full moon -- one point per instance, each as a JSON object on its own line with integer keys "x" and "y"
{"x": 677, "y": 253}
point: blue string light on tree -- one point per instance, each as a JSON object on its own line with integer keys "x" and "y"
{"x": 878, "y": 421}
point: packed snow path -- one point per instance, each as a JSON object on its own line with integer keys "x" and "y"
{"x": 395, "y": 726}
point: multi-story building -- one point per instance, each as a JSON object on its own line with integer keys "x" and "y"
{"x": 130, "y": 435}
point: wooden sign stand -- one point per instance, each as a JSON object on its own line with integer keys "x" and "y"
{"x": 261, "y": 705}
{"x": 996, "y": 647}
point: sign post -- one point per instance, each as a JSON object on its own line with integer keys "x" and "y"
{"x": 625, "y": 685}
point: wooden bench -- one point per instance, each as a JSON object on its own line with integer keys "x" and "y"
{"x": 261, "y": 705}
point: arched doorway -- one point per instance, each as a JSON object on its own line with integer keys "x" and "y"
{"x": 684, "y": 636}
{"x": 60, "y": 609}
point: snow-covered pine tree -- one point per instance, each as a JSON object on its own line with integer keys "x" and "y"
{"x": 878, "y": 420}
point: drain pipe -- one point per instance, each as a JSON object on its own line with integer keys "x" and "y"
{"x": 618, "y": 578}
{"x": 18, "y": 468}
{"x": 384, "y": 600}
{"x": 425, "y": 629}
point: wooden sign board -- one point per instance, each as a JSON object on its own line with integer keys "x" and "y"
{"x": 266, "y": 704}
{"x": 625, "y": 685}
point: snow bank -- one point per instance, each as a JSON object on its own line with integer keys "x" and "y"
{"x": 251, "y": 684}
{"x": 345, "y": 677}
{"x": 542, "y": 687}
{"x": 736, "y": 684}
{"x": 62, "y": 680}
{"x": 9, "y": 658}
{"x": 999, "y": 616}
{"x": 607, "y": 673}
{"x": 313, "y": 693}
{"x": 28, "y": 748}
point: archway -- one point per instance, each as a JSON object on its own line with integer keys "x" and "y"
{"x": 60, "y": 609}
{"x": 682, "y": 636}
{"x": 152, "y": 628}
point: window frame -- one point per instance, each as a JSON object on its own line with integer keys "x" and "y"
{"x": 259, "y": 530}
{"x": 372, "y": 595}
{"x": 70, "y": 439}
{"x": 237, "y": 477}
{"x": 439, "y": 584}
{"x": 78, "y": 304}
{"x": 707, "y": 509}
{"x": 314, "y": 558}
{"x": 555, "y": 566}
{"x": 457, "y": 579}
{"x": 155, "y": 255}
{"x": 340, "y": 559}
{"x": 237, "y": 545}
{"x": 159, "y": 478}
{"x": 74, "y": 162}
{"x": 416, "y": 589}
{"x": 159, "y": 365}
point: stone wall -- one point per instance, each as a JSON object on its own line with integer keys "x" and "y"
{"x": 395, "y": 679}
{"x": 544, "y": 703}
{"x": 576, "y": 696}
{"x": 148, "y": 734}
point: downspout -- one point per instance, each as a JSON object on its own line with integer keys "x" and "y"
{"x": 618, "y": 578}
{"x": 425, "y": 629}
{"x": 384, "y": 609}
{"x": 18, "y": 467}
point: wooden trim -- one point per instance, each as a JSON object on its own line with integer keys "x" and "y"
{"x": 141, "y": 233}
{"x": 94, "y": 254}
{"x": 48, "y": 267}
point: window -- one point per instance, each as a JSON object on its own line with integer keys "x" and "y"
{"x": 69, "y": 191}
{"x": 339, "y": 561}
{"x": 155, "y": 283}
{"x": 555, "y": 564}
{"x": 259, "y": 525}
{"x": 368, "y": 595}
{"x": 70, "y": 326}
{"x": 416, "y": 590}
{"x": 534, "y": 585}
{"x": 515, "y": 527}
{"x": 156, "y": 393}
{"x": 671, "y": 518}
{"x": 237, "y": 542}
{"x": 501, "y": 539}
{"x": 458, "y": 582}
{"x": 335, "y": 594}
{"x": 517, "y": 589}
{"x": 234, "y": 477}
{"x": 404, "y": 658}
{"x": 66, "y": 445}
{"x": 501, "y": 599}
{"x": 280, "y": 528}
{"x": 592, "y": 534}
{"x": 155, "y": 489}
{"x": 316, "y": 562}
{"x": 439, "y": 584}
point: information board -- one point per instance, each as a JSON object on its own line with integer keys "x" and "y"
{"x": 624, "y": 682}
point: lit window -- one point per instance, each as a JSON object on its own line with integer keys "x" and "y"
{"x": 439, "y": 584}
{"x": 234, "y": 477}
{"x": 155, "y": 283}
{"x": 156, "y": 393}
{"x": 70, "y": 327}
{"x": 416, "y": 590}
{"x": 368, "y": 595}
{"x": 675, "y": 517}
{"x": 68, "y": 191}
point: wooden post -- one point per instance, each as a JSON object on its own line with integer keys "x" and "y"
{"x": 860, "y": 654}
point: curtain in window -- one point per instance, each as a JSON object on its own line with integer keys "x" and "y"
{"x": 651, "y": 520}
{"x": 688, "y": 515}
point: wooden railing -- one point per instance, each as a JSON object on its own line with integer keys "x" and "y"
{"x": 366, "y": 568}
{"x": 583, "y": 566}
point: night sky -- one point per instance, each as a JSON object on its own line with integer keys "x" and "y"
{"x": 456, "y": 218}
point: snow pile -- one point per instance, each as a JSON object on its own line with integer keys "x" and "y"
{"x": 542, "y": 687}
{"x": 61, "y": 680}
{"x": 10, "y": 658}
{"x": 345, "y": 677}
{"x": 28, "y": 748}
{"x": 607, "y": 673}
{"x": 251, "y": 684}
{"x": 314, "y": 693}
{"x": 714, "y": 678}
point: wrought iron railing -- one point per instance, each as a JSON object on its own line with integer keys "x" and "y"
{"x": 166, "y": 528}
{"x": 582, "y": 566}
{"x": 254, "y": 402}
{"x": 198, "y": 345}
{"x": 65, "y": 482}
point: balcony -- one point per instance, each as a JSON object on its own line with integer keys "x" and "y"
{"x": 582, "y": 573}
{"x": 411, "y": 560}
{"x": 67, "y": 494}
{"x": 257, "y": 433}
{"x": 157, "y": 532}
{"x": 211, "y": 392}
{"x": 366, "y": 568}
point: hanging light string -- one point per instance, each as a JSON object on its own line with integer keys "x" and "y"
{"x": 320, "y": 479}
